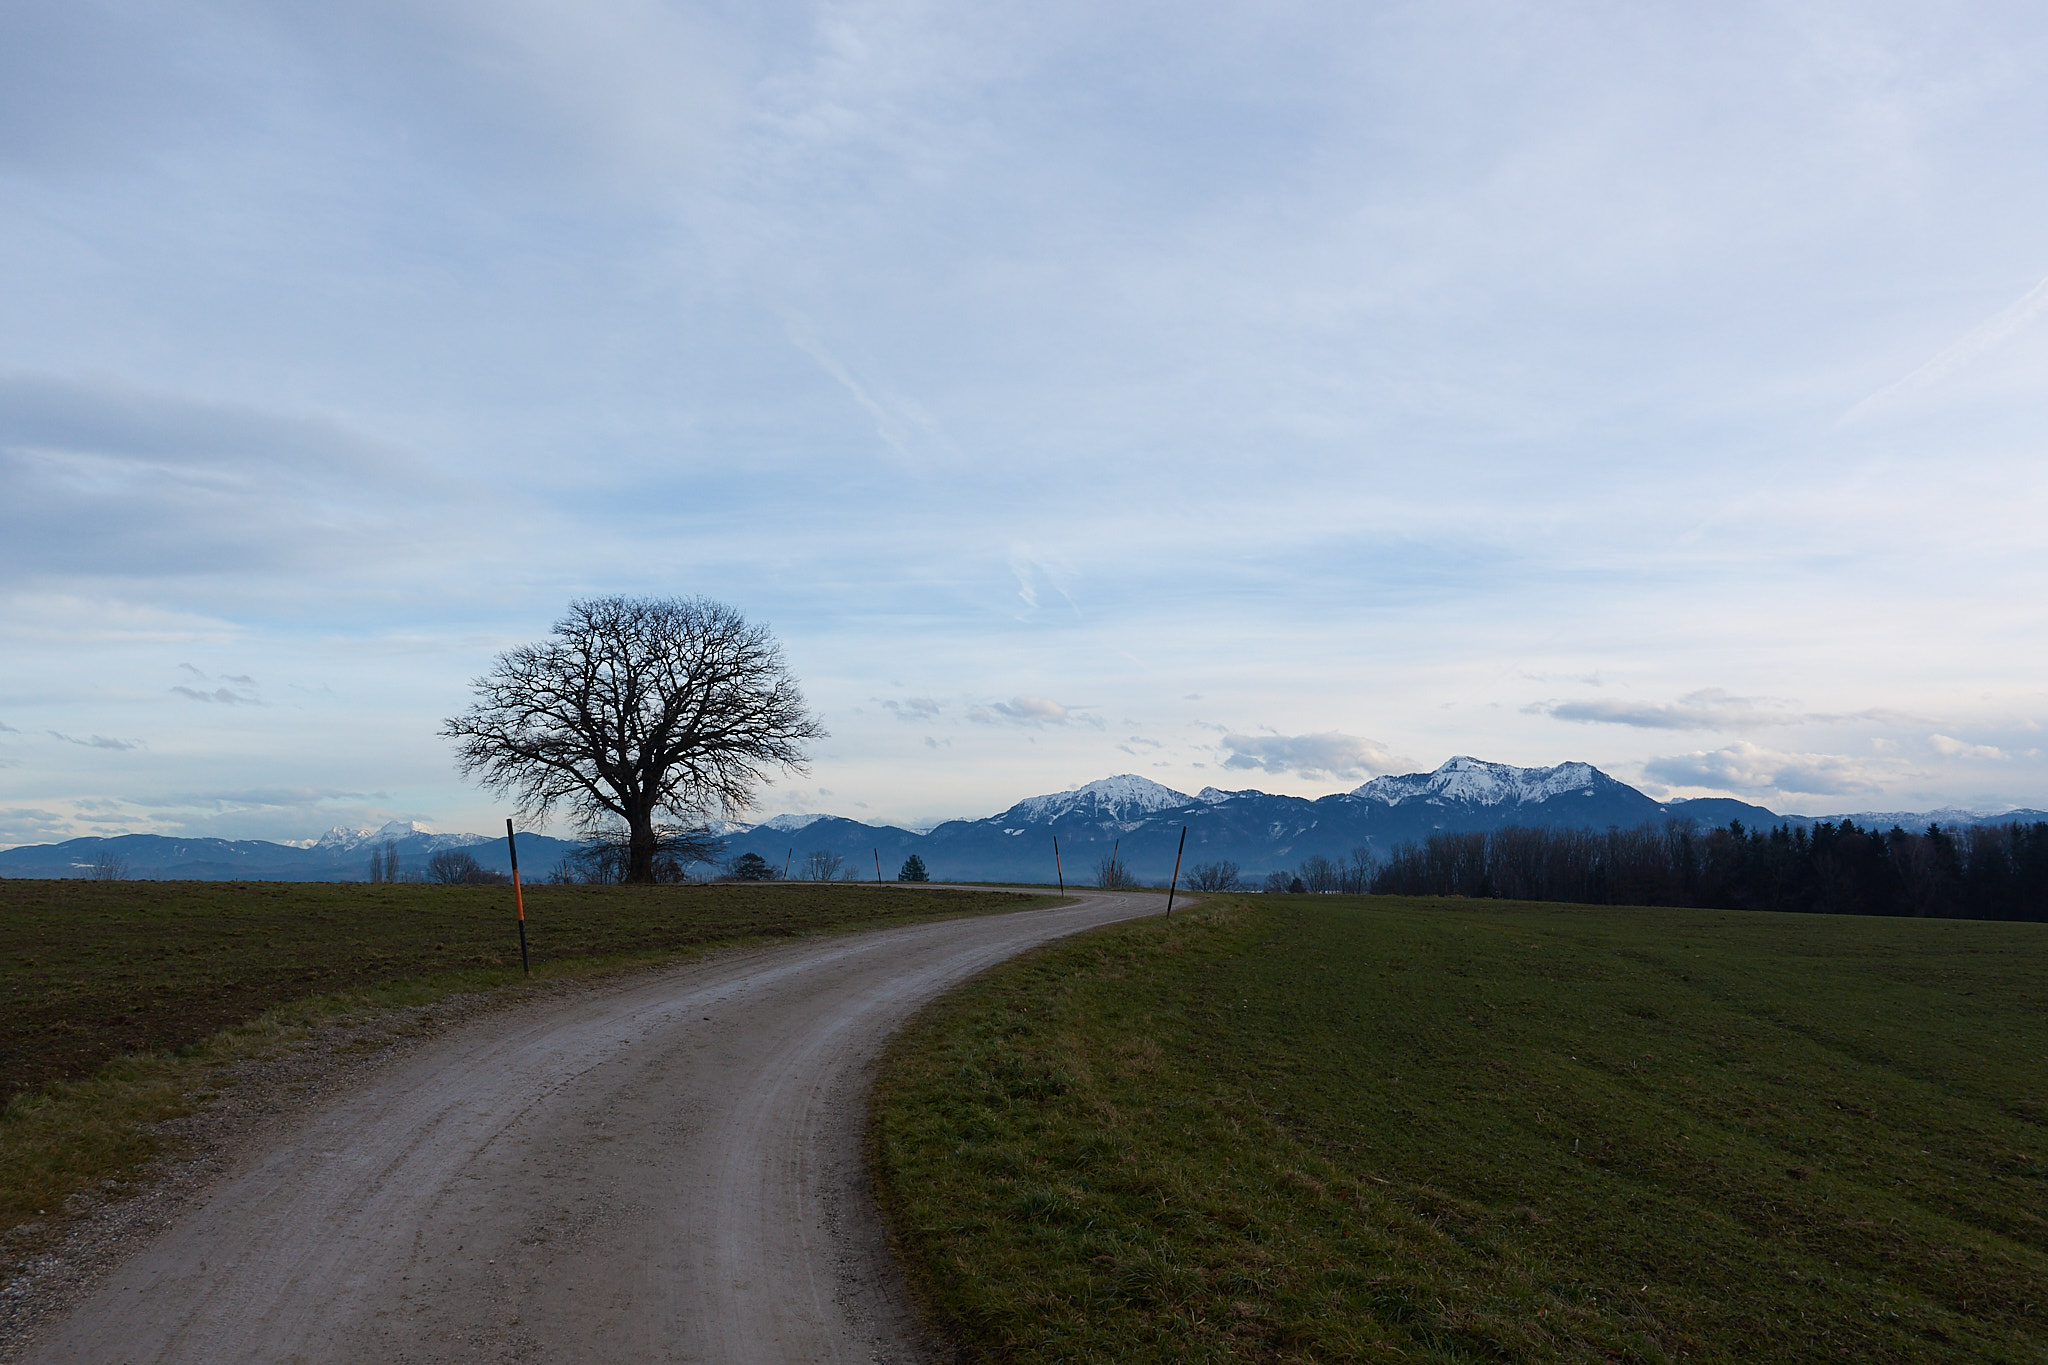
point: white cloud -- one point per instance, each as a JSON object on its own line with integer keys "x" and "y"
{"x": 1751, "y": 770}
{"x": 912, "y": 708}
{"x": 1328, "y": 754}
{"x": 1957, "y": 748}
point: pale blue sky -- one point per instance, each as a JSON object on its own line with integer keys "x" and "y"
{"x": 1263, "y": 395}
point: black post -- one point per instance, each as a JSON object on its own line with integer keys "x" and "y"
{"x": 1114, "y": 880}
{"x": 1176, "y": 871}
{"x": 878, "y": 867}
{"x": 1057, "y": 870}
{"x": 518, "y": 898}
{"x": 785, "y": 863}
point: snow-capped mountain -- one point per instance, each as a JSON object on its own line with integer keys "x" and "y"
{"x": 1140, "y": 819}
{"x": 341, "y": 839}
{"x": 1120, "y": 798}
{"x": 1474, "y": 781}
{"x": 787, "y": 824}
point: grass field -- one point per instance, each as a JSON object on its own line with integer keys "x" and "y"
{"x": 1298, "y": 1128}
{"x": 111, "y": 991}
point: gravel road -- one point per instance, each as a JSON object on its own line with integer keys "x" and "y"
{"x": 667, "y": 1171}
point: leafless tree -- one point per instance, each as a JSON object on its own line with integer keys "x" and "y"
{"x": 605, "y": 858}
{"x": 1357, "y": 876}
{"x": 1318, "y": 874}
{"x": 635, "y": 708}
{"x": 1217, "y": 876}
{"x": 108, "y": 867}
{"x": 457, "y": 867}
{"x": 1112, "y": 874}
{"x": 822, "y": 865}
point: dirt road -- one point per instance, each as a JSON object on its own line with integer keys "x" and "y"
{"x": 666, "y": 1171}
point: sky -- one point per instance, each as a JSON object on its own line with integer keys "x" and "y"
{"x": 1252, "y": 395}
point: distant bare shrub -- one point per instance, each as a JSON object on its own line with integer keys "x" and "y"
{"x": 1216, "y": 876}
{"x": 1318, "y": 874}
{"x": 108, "y": 867}
{"x": 1112, "y": 875}
{"x": 455, "y": 867}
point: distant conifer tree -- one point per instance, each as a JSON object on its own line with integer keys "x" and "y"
{"x": 913, "y": 870}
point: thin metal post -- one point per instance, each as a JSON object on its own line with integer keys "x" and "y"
{"x": 785, "y": 863}
{"x": 878, "y": 867}
{"x": 1114, "y": 880}
{"x": 518, "y": 898}
{"x": 1176, "y": 871}
{"x": 1057, "y": 870}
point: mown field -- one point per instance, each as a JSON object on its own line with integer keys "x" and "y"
{"x": 1297, "y": 1128}
{"x": 106, "y": 988}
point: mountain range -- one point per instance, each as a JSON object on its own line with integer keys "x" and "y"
{"x": 1139, "y": 819}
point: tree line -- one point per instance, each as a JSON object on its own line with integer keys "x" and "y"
{"x": 1969, "y": 872}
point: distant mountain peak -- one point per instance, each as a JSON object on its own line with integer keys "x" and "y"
{"x": 1123, "y": 797}
{"x": 343, "y": 838}
{"x": 790, "y": 824}
{"x": 1474, "y": 781}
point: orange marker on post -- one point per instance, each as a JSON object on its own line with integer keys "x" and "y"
{"x": 518, "y": 897}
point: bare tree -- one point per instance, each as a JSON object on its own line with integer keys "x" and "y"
{"x": 1357, "y": 876}
{"x": 1217, "y": 876}
{"x": 457, "y": 867}
{"x": 635, "y": 708}
{"x": 605, "y": 858}
{"x": 822, "y": 865}
{"x": 1319, "y": 874}
{"x": 1112, "y": 874}
{"x": 108, "y": 867}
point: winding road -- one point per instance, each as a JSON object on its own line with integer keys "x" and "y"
{"x": 667, "y": 1170}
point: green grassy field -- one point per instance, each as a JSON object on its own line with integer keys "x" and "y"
{"x": 1299, "y": 1128}
{"x": 110, "y": 992}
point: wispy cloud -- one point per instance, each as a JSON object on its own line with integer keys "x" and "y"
{"x": 33, "y": 825}
{"x": 97, "y": 741}
{"x": 1953, "y": 360}
{"x": 1329, "y": 754}
{"x": 902, "y": 424}
{"x": 911, "y": 708}
{"x": 279, "y": 798}
{"x": 219, "y": 695}
{"x": 1709, "y": 708}
{"x": 1032, "y": 711}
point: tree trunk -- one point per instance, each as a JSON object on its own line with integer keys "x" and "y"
{"x": 640, "y": 845}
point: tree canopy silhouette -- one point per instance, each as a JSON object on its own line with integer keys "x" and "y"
{"x": 636, "y": 709}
